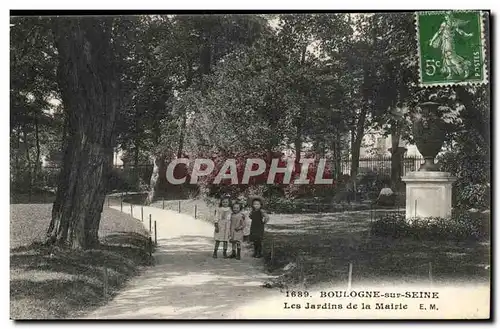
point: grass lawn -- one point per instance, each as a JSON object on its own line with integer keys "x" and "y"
{"x": 50, "y": 283}
{"x": 325, "y": 244}
{"x": 39, "y": 196}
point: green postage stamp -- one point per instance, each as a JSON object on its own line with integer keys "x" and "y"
{"x": 451, "y": 48}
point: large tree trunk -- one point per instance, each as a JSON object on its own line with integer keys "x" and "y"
{"x": 298, "y": 143}
{"x": 356, "y": 147}
{"x": 158, "y": 178}
{"x": 137, "y": 147}
{"x": 89, "y": 93}
{"x": 28, "y": 163}
{"x": 17, "y": 171}
{"x": 396, "y": 158}
{"x": 136, "y": 165}
{"x": 356, "y": 140}
{"x": 299, "y": 120}
{"x": 36, "y": 169}
{"x": 337, "y": 155}
{"x": 182, "y": 134}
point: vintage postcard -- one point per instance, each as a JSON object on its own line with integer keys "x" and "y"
{"x": 326, "y": 165}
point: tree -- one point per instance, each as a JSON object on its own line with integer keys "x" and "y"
{"x": 190, "y": 51}
{"x": 397, "y": 80}
{"x": 88, "y": 81}
{"x": 34, "y": 119}
{"x": 280, "y": 92}
{"x": 388, "y": 80}
{"x": 350, "y": 56}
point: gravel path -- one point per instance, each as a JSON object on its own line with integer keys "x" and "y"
{"x": 186, "y": 282}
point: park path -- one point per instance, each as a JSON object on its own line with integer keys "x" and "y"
{"x": 186, "y": 282}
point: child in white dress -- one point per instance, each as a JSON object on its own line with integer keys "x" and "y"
{"x": 237, "y": 227}
{"x": 222, "y": 225}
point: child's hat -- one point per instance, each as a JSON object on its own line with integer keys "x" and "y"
{"x": 256, "y": 198}
{"x": 225, "y": 196}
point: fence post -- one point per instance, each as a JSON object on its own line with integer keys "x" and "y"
{"x": 195, "y": 208}
{"x": 163, "y": 203}
{"x": 302, "y": 278}
{"x": 298, "y": 261}
{"x": 150, "y": 247}
{"x": 121, "y": 205}
{"x": 142, "y": 214}
{"x": 108, "y": 201}
{"x": 156, "y": 236}
{"x": 179, "y": 206}
{"x": 149, "y": 223}
{"x": 105, "y": 281}
{"x": 349, "y": 279}
{"x": 131, "y": 211}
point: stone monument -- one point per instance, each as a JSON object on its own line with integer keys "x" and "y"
{"x": 428, "y": 190}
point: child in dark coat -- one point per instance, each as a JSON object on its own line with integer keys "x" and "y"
{"x": 259, "y": 219}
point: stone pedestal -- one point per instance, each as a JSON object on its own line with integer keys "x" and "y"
{"x": 428, "y": 194}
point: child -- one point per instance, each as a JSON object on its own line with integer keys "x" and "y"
{"x": 246, "y": 231}
{"x": 222, "y": 225}
{"x": 259, "y": 217}
{"x": 236, "y": 229}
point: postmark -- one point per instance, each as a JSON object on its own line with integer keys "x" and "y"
{"x": 451, "y": 48}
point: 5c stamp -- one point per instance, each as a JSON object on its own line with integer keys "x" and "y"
{"x": 451, "y": 48}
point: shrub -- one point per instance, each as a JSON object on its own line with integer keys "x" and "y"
{"x": 298, "y": 191}
{"x": 373, "y": 180}
{"x": 143, "y": 185}
{"x": 282, "y": 205}
{"x": 392, "y": 225}
{"x": 461, "y": 226}
{"x": 472, "y": 188}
